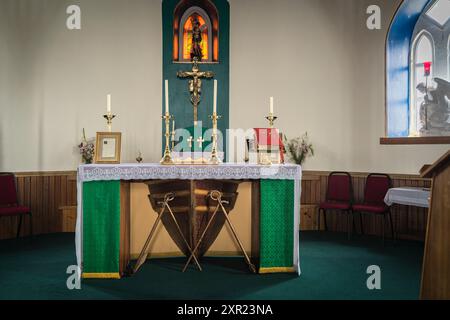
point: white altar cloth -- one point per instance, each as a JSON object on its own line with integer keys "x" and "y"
{"x": 150, "y": 171}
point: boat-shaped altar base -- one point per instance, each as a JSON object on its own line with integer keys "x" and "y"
{"x": 193, "y": 209}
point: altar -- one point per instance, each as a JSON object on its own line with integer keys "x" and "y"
{"x": 191, "y": 190}
{"x": 102, "y": 231}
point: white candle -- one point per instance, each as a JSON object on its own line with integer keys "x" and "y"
{"x": 271, "y": 106}
{"x": 173, "y": 126}
{"x": 215, "y": 96}
{"x": 108, "y": 103}
{"x": 167, "y": 95}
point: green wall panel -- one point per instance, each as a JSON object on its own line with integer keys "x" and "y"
{"x": 179, "y": 96}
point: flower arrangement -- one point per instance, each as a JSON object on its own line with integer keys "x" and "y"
{"x": 87, "y": 150}
{"x": 299, "y": 149}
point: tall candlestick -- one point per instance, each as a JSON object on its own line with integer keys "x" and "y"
{"x": 271, "y": 105}
{"x": 108, "y": 103}
{"x": 167, "y": 158}
{"x": 214, "y": 153}
{"x": 215, "y": 96}
{"x": 167, "y": 95}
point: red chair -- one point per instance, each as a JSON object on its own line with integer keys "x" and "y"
{"x": 377, "y": 185}
{"x": 339, "y": 197}
{"x": 9, "y": 205}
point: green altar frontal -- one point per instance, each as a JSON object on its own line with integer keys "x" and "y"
{"x": 100, "y": 234}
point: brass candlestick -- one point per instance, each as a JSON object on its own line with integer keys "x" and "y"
{"x": 167, "y": 158}
{"x": 214, "y": 158}
{"x": 271, "y": 118}
{"x": 109, "y": 118}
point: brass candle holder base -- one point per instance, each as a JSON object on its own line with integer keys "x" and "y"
{"x": 167, "y": 159}
{"x": 214, "y": 160}
{"x": 271, "y": 118}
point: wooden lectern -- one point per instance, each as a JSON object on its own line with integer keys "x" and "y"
{"x": 436, "y": 261}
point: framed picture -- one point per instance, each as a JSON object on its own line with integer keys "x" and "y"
{"x": 107, "y": 147}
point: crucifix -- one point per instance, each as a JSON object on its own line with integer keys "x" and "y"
{"x": 200, "y": 142}
{"x": 195, "y": 84}
{"x": 195, "y": 76}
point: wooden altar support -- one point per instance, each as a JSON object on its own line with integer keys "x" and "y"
{"x": 436, "y": 261}
{"x": 192, "y": 209}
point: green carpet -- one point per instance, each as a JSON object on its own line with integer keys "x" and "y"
{"x": 332, "y": 268}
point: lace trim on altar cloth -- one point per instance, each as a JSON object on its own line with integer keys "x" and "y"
{"x": 187, "y": 172}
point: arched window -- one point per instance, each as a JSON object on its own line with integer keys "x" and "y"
{"x": 418, "y": 73}
{"x": 422, "y": 60}
{"x": 206, "y": 13}
{"x": 448, "y": 57}
{"x": 186, "y": 34}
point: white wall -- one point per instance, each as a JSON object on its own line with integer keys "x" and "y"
{"x": 324, "y": 67}
{"x": 326, "y": 72}
{"x": 56, "y": 80}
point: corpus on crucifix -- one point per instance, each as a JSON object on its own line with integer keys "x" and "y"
{"x": 195, "y": 84}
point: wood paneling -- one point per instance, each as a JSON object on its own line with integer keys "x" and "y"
{"x": 68, "y": 218}
{"x": 410, "y": 222}
{"x": 44, "y": 193}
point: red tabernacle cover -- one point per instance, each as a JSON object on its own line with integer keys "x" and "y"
{"x": 270, "y": 137}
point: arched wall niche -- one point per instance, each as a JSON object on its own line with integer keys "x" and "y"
{"x": 183, "y": 11}
{"x": 398, "y": 55}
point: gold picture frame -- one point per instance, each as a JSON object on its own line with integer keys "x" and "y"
{"x": 108, "y": 147}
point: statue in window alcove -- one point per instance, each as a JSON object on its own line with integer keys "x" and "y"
{"x": 196, "y": 51}
{"x": 434, "y": 111}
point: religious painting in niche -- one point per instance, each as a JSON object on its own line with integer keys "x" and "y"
{"x": 199, "y": 22}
